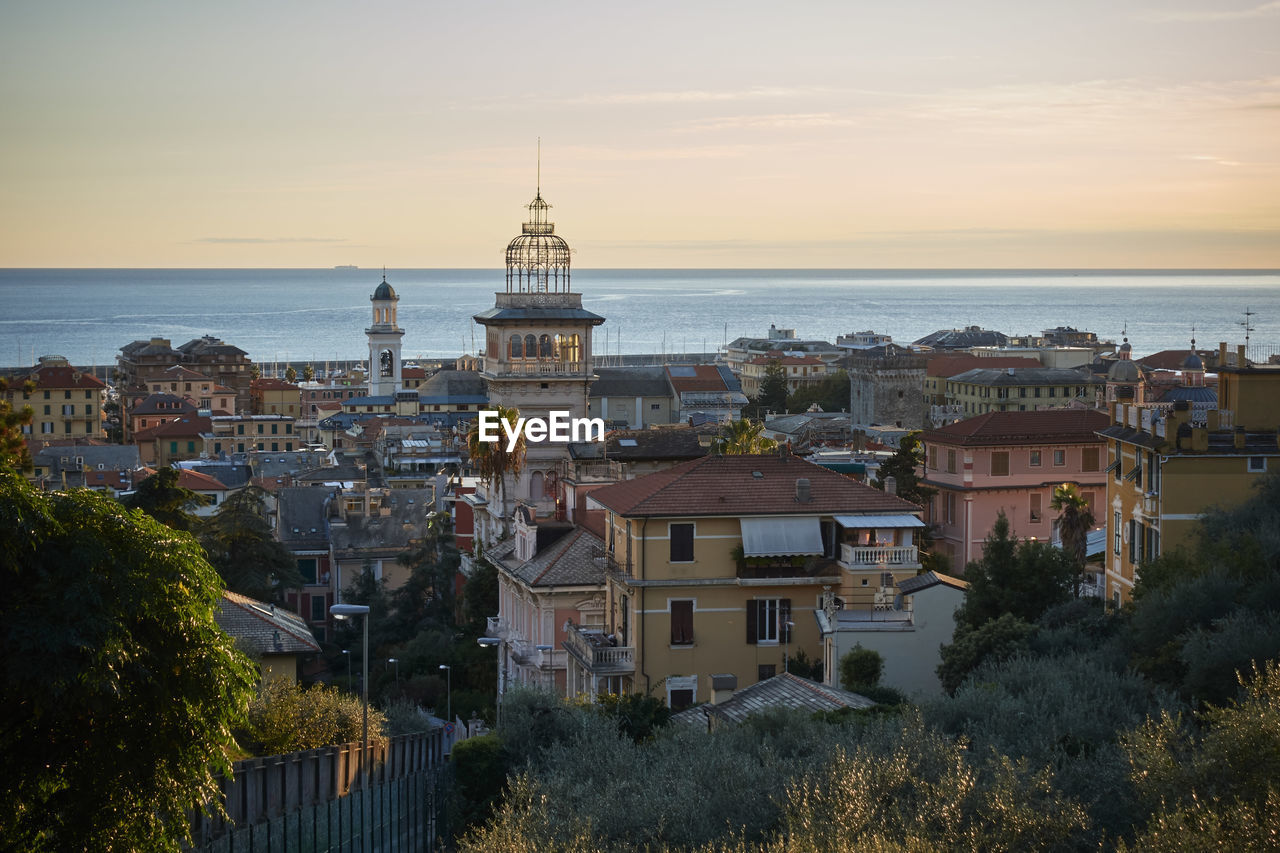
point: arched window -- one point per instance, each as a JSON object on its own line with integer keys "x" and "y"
{"x": 517, "y": 347}
{"x": 530, "y": 346}
{"x": 387, "y": 363}
{"x": 544, "y": 347}
{"x": 535, "y": 486}
{"x": 569, "y": 349}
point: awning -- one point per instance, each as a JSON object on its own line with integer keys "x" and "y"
{"x": 879, "y": 521}
{"x": 774, "y": 537}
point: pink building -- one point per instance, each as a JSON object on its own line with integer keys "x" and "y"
{"x": 1010, "y": 462}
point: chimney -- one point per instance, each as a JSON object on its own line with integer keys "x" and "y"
{"x": 1222, "y": 354}
{"x": 802, "y": 491}
{"x": 1241, "y": 361}
{"x": 722, "y": 687}
{"x": 890, "y": 485}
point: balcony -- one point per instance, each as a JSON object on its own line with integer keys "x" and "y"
{"x": 540, "y": 368}
{"x": 594, "y": 651}
{"x": 865, "y": 557}
{"x": 494, "y": 627}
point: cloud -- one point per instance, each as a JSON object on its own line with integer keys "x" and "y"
{"x": 768, "y": 121}
{"x": 268, "y": 240}
{"x": 1265, "y": 10}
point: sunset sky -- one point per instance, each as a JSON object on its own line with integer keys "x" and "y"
{"x": 992, "y": 133}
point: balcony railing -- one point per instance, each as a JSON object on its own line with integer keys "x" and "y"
{"x": 542, "y": 368}
{"x": 890, "y": 555}
{"x": 594, "y": 651}
{"x": 495, "y": 627}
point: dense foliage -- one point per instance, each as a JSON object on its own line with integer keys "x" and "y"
{"x": 831, "y": 394}
{"x": 160, "y": 497}
{"x": 740, "y": 438}
{"x": 1153, "y": 727}
{"x": 120, "y": 689}
{"x": 287, "y": 717}
{"x": 241, "y": 546}
{"x": 14, "y": 455}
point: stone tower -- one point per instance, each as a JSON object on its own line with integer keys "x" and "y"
{"x": 537, "y": 354}
{"x": 385, "y": 372}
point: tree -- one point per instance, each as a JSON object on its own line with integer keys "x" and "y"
{"x": 903, "y": 466}
{"x": 860, "y": 667}
{"x": 160, "y": 497}
{"x": 286, "y": 717}
{"x": 14, "y": 455}
{"x": 738, "y": 438}
{"x": 493, "y": 462}
{"x": 773, "y": 389}
{"x": 480, "y": 595}
{"x": 308, "y": 373}
{"x": 244, "y": 550}
{"x": 121, "y": 689}
{"x": 1075, "y": 520}
{"x": 831, "y": 394}
{"x": 1022, "y": 578}
{"x": 995, "y": 640}
{"x": 255, "y": 372}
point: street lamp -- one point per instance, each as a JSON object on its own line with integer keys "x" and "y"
{"x": 395, "y": 661}
{"x": 489, "y": 643}
{"x": 346, "y": 611}
{"x": 544, "y": 649}
{"x": 448, "y": 675}
{"x": 786, "y": 648}
{"x": 347, "y": 652}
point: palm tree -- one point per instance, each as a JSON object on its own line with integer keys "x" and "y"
{"x": 739, "y": 438}
{"x": 1075, "y": 520}
{"x": 493, "y": 462}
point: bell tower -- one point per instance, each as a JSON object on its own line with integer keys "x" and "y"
{"x": 385, "y": 377}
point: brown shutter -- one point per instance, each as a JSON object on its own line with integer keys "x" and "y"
{"x": 752, "y": 613}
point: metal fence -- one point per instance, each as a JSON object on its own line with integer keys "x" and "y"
{"x": 313, "y": 801}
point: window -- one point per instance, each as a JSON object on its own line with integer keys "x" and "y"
{"x": 767, "y": 620}
{"x": 1037, "y": 507}
{"x": 1257, "y": 464}
{"x": 173, "y": 447}
{"x": 681, "y": 698}
{"x": 933, "y": 458}
{"x": 48, "y": 410}
{"x": 682, "y": 623}
{"x": 1089, "y": 459}
{"x": 1000, "y": 463}
{"x": 951, "y": 461}
{"x": 1133, "y": 542}
{"x": 1035, "y": 459}
{"x": 1115, "y": 533}
{"x": 766, "y": 670}
{"x": 317, "y": 608}
{"x": 1059, "y": 458}
{"x": 69, "y": 410}
{"x": 951, "y": 508}
{"x": 681, "y": 543}
{"x": 653, "y": 407}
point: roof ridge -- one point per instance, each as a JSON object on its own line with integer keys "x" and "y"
{"x": 247, "y": 606}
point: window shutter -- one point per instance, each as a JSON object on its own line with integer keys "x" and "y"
{"x": 752, "y": 613}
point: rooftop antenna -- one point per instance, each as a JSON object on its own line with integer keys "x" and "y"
{"x": 1248, "y": 325}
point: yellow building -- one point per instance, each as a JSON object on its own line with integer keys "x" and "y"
{"x": 1170, "y": 463}
{"x": 1018, "y": 389}
{"x": 717, "y": 566}
{"x": 66, "y": 403}
{"x": 276, "y": 397}
{"x": 800, "y": 371}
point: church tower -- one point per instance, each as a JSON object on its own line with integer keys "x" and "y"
{"x": 385, "y": 377}
{"x": 537, "y": 354}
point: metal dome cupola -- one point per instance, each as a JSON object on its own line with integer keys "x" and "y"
{"x": 538, "y": 259}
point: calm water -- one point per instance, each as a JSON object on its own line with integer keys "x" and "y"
{"x": 315, "y": 315}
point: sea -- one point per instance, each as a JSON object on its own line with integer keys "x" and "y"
{"x": 319, "y": 315}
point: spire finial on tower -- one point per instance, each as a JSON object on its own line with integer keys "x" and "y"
{"x": 1193, "y": 339}
{"x": 539, "y": 182}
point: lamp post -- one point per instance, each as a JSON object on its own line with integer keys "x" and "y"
{"x": 448, "y": 675}
{"x": 347, "y": 653}
{"x": 544, "y": 649}
{"x": 786, "y": 648}
{"x": 489, "y": 643}
{"x": 346, "y": 611}
{"x": 396, "y": 661}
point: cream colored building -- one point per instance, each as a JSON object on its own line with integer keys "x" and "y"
{"x": 65, "y": 401}
{"x": 717, "y": 566}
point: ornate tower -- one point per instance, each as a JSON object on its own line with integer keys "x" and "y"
{"x": 537, "y": 354}
{"x": 384, "y": 342}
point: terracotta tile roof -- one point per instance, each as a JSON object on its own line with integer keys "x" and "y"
{"x": 745, "y": 485}
{"x": 197, "y": 482}
{"x": 1039, "y": 427}
{"x": 1173, "y": 359}
{"x": 163, "y": 404}
{"x": 46, "y": 376}
{"x": 695, "y": 377}
{"x": 112, "y": 479}
{"x": 263, "y": 628}
{"x": 954, "y": 365}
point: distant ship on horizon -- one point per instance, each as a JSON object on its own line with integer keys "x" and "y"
{"x": 346, "y": 267}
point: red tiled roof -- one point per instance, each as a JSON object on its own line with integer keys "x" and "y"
{"x": 413, "y": 372}
{"x": 953, "y": 365}
{"x": 114, "y": 479}
{"x": 1172, "y": 359}
{"x": 728, "y": 485}
{"x": 197, "y": 482}
{"x": 62, "y": 377}
{"x": 706, "y": 378}
{"x": 1039, "y": 427}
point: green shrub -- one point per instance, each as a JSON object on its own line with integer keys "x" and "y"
{"x": 860, "y": 668}
{"x": 286, "y": 717}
